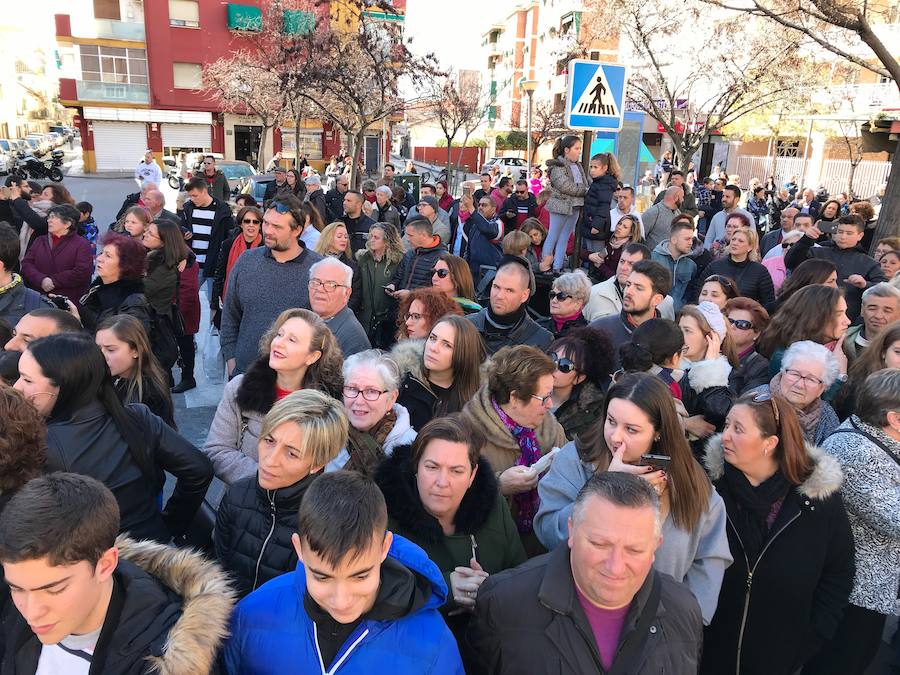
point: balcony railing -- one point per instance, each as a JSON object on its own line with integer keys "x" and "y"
{"x": 108, "y": 29}
{"x": 113, "y": 92}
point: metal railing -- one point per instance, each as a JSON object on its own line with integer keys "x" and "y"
{"x": 89, "y": 90}
{"x": 834, "y": 174}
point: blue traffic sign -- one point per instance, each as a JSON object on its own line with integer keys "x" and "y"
{"x": 595, "y": 100}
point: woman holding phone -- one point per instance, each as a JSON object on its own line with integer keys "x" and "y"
{"x": 639, "y": 433}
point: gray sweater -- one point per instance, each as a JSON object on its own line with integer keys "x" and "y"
{"x": 259, "y": 289}
{"x": 697, "y": 559}
{"x": 348, "y": 332}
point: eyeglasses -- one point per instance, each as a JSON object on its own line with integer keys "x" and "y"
{"x": 787, "y": 244}
{"x": 766, "y": 396}
{"x": 521, "y": 192}
{"x": 544, "y": 399}
{"x": 807, "y": 380}
{"x": 316, "y": 284}
{"x": 741, "y": 323}
{"x": 562, "y": 296}
{"x": 442, "y": 273}
{"x": 562, "y": 365}
{"x": 415, "y": 316}
{"x": 368, "y": 394}
{"x": 252, "y": 221}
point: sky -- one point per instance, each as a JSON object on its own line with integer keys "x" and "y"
{"x": 452, "y": 31}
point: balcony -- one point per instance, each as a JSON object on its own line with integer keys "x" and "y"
{"x": 104, "y": 29}
{"x": 112, "y": 92}
{"x": 859, "y": 98}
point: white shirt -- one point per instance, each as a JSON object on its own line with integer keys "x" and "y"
{"x": 71, "y": 656}
{"x": 310, "y": 237}
{"x": 151, "y": 172}
{"x": 615, "y": 215}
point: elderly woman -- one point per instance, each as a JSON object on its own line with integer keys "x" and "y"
{"x": 786, "y": 590}
{"x": 808, "y": 369}
{"x": 441, "y": 494}
{"x": 748, "y": 320}
{"x": 297, "y": 352}
{"x": 60, "y": 262}
{"x": 420, "y": 310}
{"x": 258, "y": 514}
{"x": 867, "y": 446}
{"x": 452, "y": 275}
{"x": 568, "y": 296}
{"x": 377, "y": 422}
{"x": 513, "y": 411}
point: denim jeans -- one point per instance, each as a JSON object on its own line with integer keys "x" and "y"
{"x": 561, "y": 228}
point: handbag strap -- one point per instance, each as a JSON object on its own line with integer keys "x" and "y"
{"x": 860, "y": 432}
{"x": 245, "y": 424}
{"x": 627, "y": 656}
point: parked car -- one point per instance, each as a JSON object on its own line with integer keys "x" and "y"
{"x": 255, "y": 185}
{"x": 34, "y": 146}
{"x": 64, "y": 131}
{"x": 234, "y": 171}
{"x": 195, "y": 159}
{"x": 5, "y": 162}
{"x": 518, "y": 168}
{"x": 55, "y": 139}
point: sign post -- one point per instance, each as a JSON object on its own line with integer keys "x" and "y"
{"x": 595, "y": 101}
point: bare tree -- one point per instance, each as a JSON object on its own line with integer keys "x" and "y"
{"x": 458, "y": 107}
{"x": 546, "y": 122}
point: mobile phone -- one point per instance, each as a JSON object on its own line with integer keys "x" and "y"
{"x": 658, "y": 462}
{"x": 826, "y": 226}
{"x": 59, "y": 301}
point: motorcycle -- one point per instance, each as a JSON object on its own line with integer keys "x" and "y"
{"x": 28, "y": 166}
{"x": 56, "y": 157}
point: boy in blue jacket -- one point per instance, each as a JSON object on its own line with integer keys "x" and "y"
{"x": 361, "y": 600}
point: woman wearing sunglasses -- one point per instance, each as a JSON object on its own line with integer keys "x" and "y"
{"x": 247, "y": 235}
{"x": 786, "y": 590}
{"x": 584, "y": 363}
{"x": 568, "y": 296}
{"x": 748, "y": 320}
{"x": 451, "y": 275}
{"x": 639, "y": 419}
{"x": 605, "y": 260}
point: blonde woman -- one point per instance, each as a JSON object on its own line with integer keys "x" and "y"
{"x": 334, "y": 241}
{"x": 742, "y": 264}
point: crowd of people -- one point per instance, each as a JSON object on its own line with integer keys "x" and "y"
{"x": 449, "y": 445}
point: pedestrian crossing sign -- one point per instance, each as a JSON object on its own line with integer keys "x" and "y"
{"x": 595, "y": 100}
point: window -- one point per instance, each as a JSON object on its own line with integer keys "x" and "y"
{"x": 184, "y": 13}
{"x": 113, "y": 64}
{"x": 107, "y": 9}
{"x": 187, "y": 75}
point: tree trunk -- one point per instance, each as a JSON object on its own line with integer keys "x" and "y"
{"x": 261, "y": 154}
{"x": 851, "y": 195}
{"x": 449, "y": 160}
{"x": 889, "y": 216}
{"x": 356, "y": 153}
{"x": 296, "y": 142}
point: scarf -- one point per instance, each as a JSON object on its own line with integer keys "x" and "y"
{"x": 757, "y": 507}
{"x": 809, "y": 416}
{"x": 238, "y": 246}
{"x": 15, "y": 281}
{"x": 503, "y": 324}
{"x": 527, "y": 502}
{"x": 366, "y": 448}
{"x": 561, "y": 321}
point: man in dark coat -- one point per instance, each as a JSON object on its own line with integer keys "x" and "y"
{"x": 581, "y": 609}
{"x": 275, "y": 186}
{"x": 315, "y": 195}
{"x": 334, "y": 199}
{"x": 415, "y": 269}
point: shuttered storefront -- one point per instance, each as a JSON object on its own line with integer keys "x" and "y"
{"x": 119, "y": 146}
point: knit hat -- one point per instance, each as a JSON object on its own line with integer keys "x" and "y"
{"x": 713, "y": 316}
{"x": 385, "y": 190}
{"x": 431, "y": 201}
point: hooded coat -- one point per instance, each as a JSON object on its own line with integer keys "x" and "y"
{"x": 683, "y": 270}
{"x": 272, "y": 631}
{"x": 583, "y": 408}
{"x": 566, "y": 194}
{"x": 774, "y": 616}
{"x": 168, "y": 616}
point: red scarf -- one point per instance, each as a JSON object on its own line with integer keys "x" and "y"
{"x": 237, "y": 247}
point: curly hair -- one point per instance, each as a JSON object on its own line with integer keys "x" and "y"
{"x": 132, "y": 255}
{"x": 434, "y": 305}
{"x": 23, "y": 450}
{"x": 517, "y": 370}
{"x": 591, "y": 350}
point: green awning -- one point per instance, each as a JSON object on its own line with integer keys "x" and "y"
{"x": 244, "y": 17}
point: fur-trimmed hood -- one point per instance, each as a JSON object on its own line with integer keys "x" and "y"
{"x": 709, "y": 373}
{"x": 407, "y": 354}
{"x": 554, "y": 162}
{"x": 193, "y": 642}
{"x": 256, "y": 392}
{"x": 396, "y": 478}
{"x": 824, "y": 481}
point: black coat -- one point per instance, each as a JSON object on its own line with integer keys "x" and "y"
{"x": 91, "y": 444}
{"x": 705, "y": 391}
{"x": 317, "y": 199}
{"x": 799, "y": 586}
{"x": 597, "y": 206}
{"x": 752, "y": 371}
{"x": 222, "y": 227}
{"x": 527, "y": 332}
{"x": 550, "y": 325}
{"x": 334, "y": 205}
{"x": 253, "y": 531}
{"x": 414, "y": 270}
{"x": 418, "y": 399}
{"x": 529, "y": 620}
{"x": 125, "y": 296}
{"x": 752, "y": 279}
{"x": 358, "y": 229}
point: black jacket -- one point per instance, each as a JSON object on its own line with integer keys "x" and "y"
{"x": 272, "y": 189}
{"x": 752, "y": 371}
{"x": 253, "y": 531}
{"x": 90, "y": 443}
{"x": 528, "y": 332}
{"x": 529, "y": 620}
{"x": 597, "y": 206}
{"x": 752, "y": 279}
{"x": 129, "y": 201}
{"x": 167, "y": 604}
{"x": 550, "y": 325}
{"x": 705, "y": 391}
{"x": 125, "y": 296}
{"x": 334, "y": 205}
{"x": 414, "y": 270}
{"x": 358, "y": 228}
{"x": 847, "y": 261}
{"x": 221, "y": 268}
{"x": 799, "y": 586}
{"x": 317, "y": 199}
{"x": 418, "y": 399}
{"x": 520, "y": 208}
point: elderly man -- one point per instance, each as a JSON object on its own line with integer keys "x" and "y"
{"x": 330, "y": 285}
{"x": 383, "y": 210}
{"x": 775, "y": 237}
{"x": 357, "y": 222}
{"x": 315, "y": 195}
{"x": 880, "y": 308}
{"x": 657, "y": 220}
{"x": 334, "y": 199}
{"x": 276, "y": 186}
{"x": 155, "y": 201}
{"x": 808, "y": 203}
{"x": 596, "y": 605}
{"x": 133, "y": 199}
{"x": 264, "y": 282}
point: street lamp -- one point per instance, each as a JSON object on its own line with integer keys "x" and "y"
{"x": 528, "y": 86}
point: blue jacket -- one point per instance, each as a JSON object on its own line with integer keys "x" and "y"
{"x": 272, "y": 633}
{"x": 683, "y": 270}
{"x": 484, "y": 242}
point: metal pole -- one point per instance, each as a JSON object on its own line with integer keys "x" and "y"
{"x": 802, "y": 185}
{"x": 586, "y": 163}
{"x": 528, "y": 158}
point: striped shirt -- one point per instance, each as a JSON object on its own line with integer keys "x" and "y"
{"x": 201, "y": 223}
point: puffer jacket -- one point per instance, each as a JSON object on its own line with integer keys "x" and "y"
{"x": 597, "y": 205}
{"x": 172, "y": 608}
{"x": 414, "y": 270}
{"x": 567, "y": 195}
{"x": 273, "y": 633}
{"x": 775, "y": 615}
{"x": 253, "y": 531}
{"x": 583, "y": 408}
{"x": 870, "y": 461}
{"x": 751, "y": 278}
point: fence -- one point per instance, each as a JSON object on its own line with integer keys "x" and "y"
{"x": 473, "y": 157}
{"x": 834, "y": 173}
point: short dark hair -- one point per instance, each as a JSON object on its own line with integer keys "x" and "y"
{"x": 678, "y": 225}
{"x": 636, "y": 247}
{"x": 340, "y": 514}
{"x": 196, "y": 183}
{"x": 853, "y": 219}
{"x": 660, "y": 277}
{"x": 522, "y": 181}
{"x": 487, "y": 174}
{"x": 67, "y": 518}
{"x": 454, "y": 428}
{"x": 735, "y": 190}
{"x": 65, "y": 322}
{"x": 430, "y": 186}
{"x": 676, "y": 172}
{"x": 879, "y": 395}
{"x": 66, "y": 213}
{"x": 84, "y": 207}
{"x": 9, "y": 247}
{"x": 388, "y": 164}
{"x": 620, "y": 489}
{"x": 421, "y": 224}
{"x": 212, "y": 157}
{"x": 504, "y": 181}
{"x": 627, "y": 188}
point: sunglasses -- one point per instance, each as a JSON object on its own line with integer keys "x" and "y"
{"x": 281, "y": 207}
{"x": 253, "y": 221}
{"x": 560, "y": 295}
{"x": 743, "y": 324}
{"x": 562, "y": 365}
{"x": 442, "y": 273}
{"x": 766, "y": 396}
{"x": 521, "y": 192}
